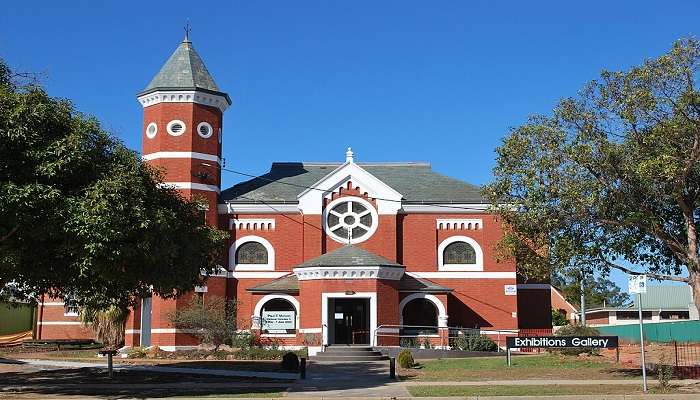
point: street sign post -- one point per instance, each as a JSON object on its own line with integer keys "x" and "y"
{"x": 638, "y": 285}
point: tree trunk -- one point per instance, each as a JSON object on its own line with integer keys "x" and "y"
{"x": 694, "y": 282}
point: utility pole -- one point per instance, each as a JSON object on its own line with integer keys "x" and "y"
{"x": 583, "y": 298}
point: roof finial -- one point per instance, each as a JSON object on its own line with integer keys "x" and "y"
{"x": 188, "y": 29}
{"x": 349, "y": 155}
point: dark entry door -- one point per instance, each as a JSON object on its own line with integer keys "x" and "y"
{"x": 351, "y": 321}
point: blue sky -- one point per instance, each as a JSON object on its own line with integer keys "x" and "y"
{"x": 439, "y": 81}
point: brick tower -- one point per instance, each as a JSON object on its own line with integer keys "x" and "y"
{"x": 182, "y": 134}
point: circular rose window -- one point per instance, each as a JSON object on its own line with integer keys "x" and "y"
{"x": 350, "y": 220}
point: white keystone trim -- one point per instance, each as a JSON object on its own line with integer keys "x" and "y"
{"x": 256, "y": 317}
{"x": 463, "y": 275}
{"x": 479, "y": 266}
{"x": 191, "y": 185}
{"x": 361, "y": 295}
{"x": 460, "y": 223}
{"x": 441, "y": 312}
{"x": 264, "y": 224}
{"x": 258, "y": 208}
{"x": 184, "y": 96}
{"x": 270, "y": 266}
{"x": 447, "y": 208}
{"x": 182, "y": 154}
{"x": 375, "y": 272}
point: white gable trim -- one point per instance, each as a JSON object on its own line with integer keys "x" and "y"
{"x": 311, "y": 200}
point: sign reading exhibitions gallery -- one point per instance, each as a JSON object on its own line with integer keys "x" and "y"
{"x": 600, "y": 342}
{"x": 278, "y": 321}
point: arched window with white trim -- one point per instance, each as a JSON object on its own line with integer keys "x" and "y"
{"x": 252, "y": 253}
{"x": 276, "y": 314}
{"x": 460, "y": 253}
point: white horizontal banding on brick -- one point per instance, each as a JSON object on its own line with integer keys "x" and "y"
{"x": 52, "y": 304}
{"x": 132, "y": 331}
{"x": 460, "y": 223}
{"x": 534, "y": 286}
{"x": 59, "y": 323}
{"x": 266, "y": 208}
{"x": 310, "y": 330}
{"x": 463, "y": 275}
{"x": 181, "y": 154}
{"x": 184, "y": 96}
{"x": 264, "y": 224}
{"x": 257, "y": 275}
{"x": 191, "y": 185}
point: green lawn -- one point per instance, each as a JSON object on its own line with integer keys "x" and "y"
{"x": 522, "y": 390}
{"x": 524, "y": 367}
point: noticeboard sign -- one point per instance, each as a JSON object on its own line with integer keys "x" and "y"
{"x": 599, "y": 342}
{"x": 637, "y": 284}
{"x": 278, "y": 321}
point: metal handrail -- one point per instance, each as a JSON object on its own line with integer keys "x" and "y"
{"x": 497, "y": 332}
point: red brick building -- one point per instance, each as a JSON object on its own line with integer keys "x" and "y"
{"x": 324, "y": 253}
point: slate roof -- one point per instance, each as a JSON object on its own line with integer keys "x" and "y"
{"x": 286, "y": 284}
{"x": 349, "y": 256}
{"x": 290, "y": 284}
{"x": 184, "y": 70}
{"x": 417, "y": 182}
{"x": 413, "y": 284}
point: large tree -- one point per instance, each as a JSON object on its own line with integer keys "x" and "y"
{"x": 611, "y": 179}
{"x": 83, "y": 216}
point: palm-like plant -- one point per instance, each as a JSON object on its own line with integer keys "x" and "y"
{"x": 107, "y": 324}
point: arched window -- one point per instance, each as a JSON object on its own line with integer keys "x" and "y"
{"x": 251, "y": 253}
{"x": 419, "y": 316}
{"x": 459, "y": 253}
{"x": 278, "y": 316}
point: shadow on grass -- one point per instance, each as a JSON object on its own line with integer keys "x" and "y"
{"x": 133, "y": 384}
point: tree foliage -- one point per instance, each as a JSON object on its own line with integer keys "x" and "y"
{"x": 212, "y": 320}
{"x": 611, "y": 178}
{"x": 107, "y": 324}
{"x": 597, "y": 288}
{"x": 82, "y": 215}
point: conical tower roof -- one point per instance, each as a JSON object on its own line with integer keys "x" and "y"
{"x": 184, "y": 70}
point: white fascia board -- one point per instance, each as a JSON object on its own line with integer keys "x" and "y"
{"x": 388, "y": 199}
{"x": 191, "y": 186}
{"x": 447, "y": 208}
{"x": 258, "y": 208}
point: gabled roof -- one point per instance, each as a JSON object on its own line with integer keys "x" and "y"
{"x": 349, "y": 256}
{"x": 184, "y": 70}
{"x": 666, "y": 296}
{"x": 417, "y": 182}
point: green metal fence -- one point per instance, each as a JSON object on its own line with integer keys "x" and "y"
{"x": 680, "y": 331}
{"x": 15, "y": 319}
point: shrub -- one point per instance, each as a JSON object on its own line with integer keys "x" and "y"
{"x": 664, "y": 373}
{"x": 212, "y": 321}
{"x": 559, "y": 318}
{"x": 405, "y": 359}
{"x": 409, "y": 342}
{"x": 427, "y": 344}
{"x": 137, "y": 352}
{"x": 243, "y": 340}
{"x": 258, "y": 353}
{"x": 290, "y": 362}
{"x": 108, "y": 324}
{"x": 474, "y": 343}
{"x": 577, "y": 330}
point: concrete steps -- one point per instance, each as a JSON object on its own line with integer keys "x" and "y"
{"x": 349, "y": 353}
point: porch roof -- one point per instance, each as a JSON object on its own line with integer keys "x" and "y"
{"x": 349, "y": 256}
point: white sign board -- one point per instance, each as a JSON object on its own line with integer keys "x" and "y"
{"x": 278, "y": 321}
{"x": 637, "y": 284}
{"x": 510, "y": 290}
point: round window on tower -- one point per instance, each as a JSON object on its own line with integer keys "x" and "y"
{"x": 151, "y": 130}
{"x": 176, "y": 127}
{"x": 350, "y": 220}
{"x": 205, "y": 130}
